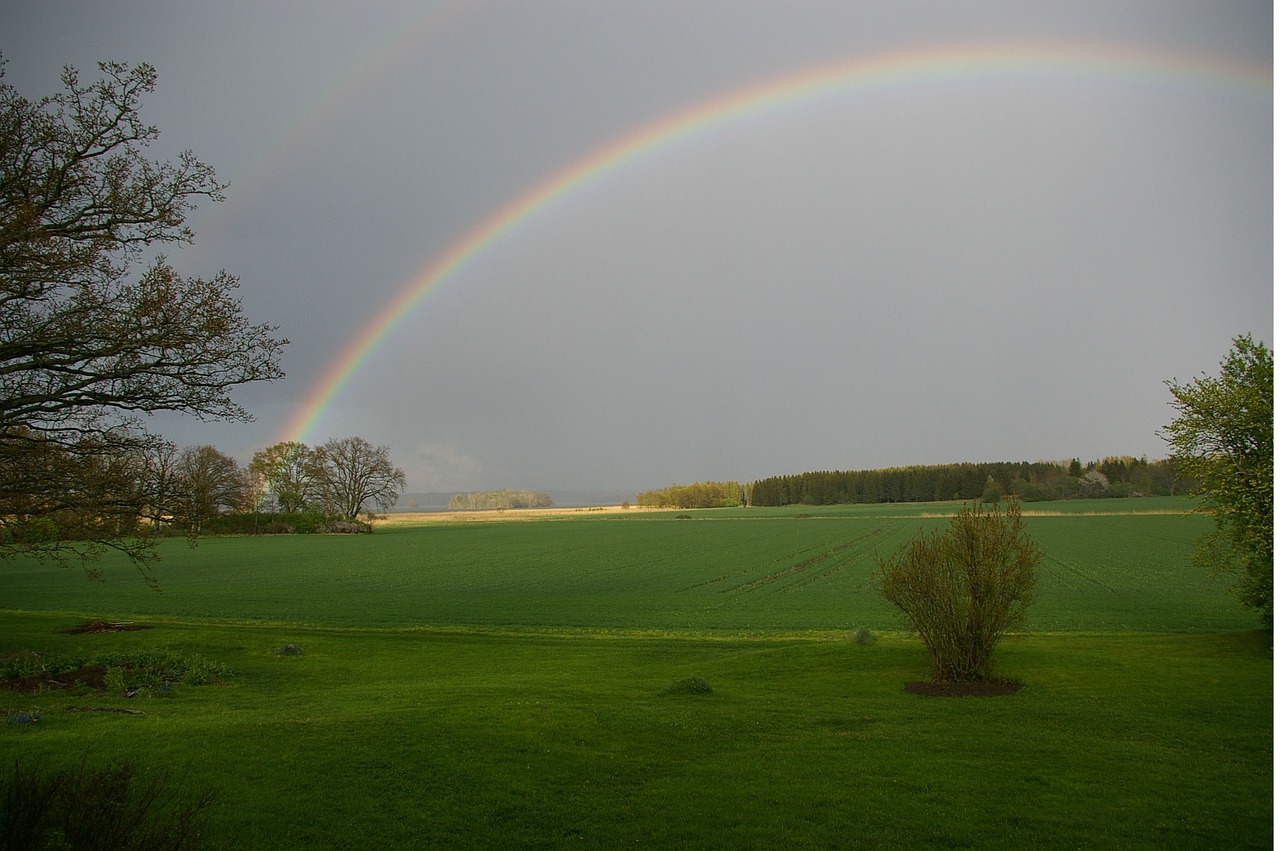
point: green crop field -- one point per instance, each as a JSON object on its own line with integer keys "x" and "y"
{"x": 728, "y": 569}
{"x": 510, "y": 684}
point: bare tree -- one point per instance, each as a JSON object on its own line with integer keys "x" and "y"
{"x": 160, "y": 481}
{"x": 90, "y": 497}
{"x": 208, "y": 483}
{"x": 350, "y": 473}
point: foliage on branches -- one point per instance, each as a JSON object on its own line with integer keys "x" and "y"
{"x": 87, "y": 342}
{"x": 338, "y": 479}
{"x": 58, "y": 501}
{"x": 209, "y": 482}
{"x": 285, "y": 473}
{"x": 966, "y": 588}
{"x": 1223, "y": 438}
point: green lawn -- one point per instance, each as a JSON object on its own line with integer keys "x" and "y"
{"x": 506, "y": 686}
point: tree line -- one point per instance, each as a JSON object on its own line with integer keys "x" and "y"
{"x": 500, "y": 500}
{"x": 288, "y": 487}
{"x": 1113, "y": 476}
{"x": 698, "y": 495}
{"x": 341, "y": 478}
{"x": 1116, "y": 476}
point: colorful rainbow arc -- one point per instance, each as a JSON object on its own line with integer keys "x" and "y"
{"x": 746, "y": 104}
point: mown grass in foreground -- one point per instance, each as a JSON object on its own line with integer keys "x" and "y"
{"x": 475, "y": 738}
{"x": 540, "y": 703}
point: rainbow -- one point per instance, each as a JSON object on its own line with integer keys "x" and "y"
{"x": 800, "y": 90}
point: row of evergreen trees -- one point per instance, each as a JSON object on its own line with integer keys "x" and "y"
{"x": 1117, "y": 476}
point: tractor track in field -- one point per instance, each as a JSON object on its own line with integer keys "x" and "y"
{"x": 801, "y": 566}
{"x": 1077, "y": 572}
{"x": 812, "y": 577}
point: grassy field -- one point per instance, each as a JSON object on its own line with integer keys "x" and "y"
{"x": 731, "y": 569}
{"x": 510, "y": 685}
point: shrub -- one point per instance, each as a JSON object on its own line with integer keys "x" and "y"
{"x": 346, "y": 527}
{"x": 259, "y": 523}
{"x": 117, "y": 807}
{"x": 965, "y": 588}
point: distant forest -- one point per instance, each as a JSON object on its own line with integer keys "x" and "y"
{"x": 500, "y": 500}
{"x": 1030, "y": 481}
{"x": 1121, "y": 476}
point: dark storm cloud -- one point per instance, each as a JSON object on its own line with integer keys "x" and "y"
{"x": 988, "y": 268}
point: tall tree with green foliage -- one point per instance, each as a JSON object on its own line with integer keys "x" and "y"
{"x": 1222, "y": 439}
{"x": 286, "y": 471}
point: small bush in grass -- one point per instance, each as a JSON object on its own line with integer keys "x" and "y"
{"x": 154, "y": 671}
{"x": 965, "y": 588}
{"x": 117, "y": 807}
{"x": 864, "y": 636}
{"x": 689, "y": 685}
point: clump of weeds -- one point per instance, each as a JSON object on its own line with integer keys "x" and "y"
{"x": 863, "y": 636}
{"x": 689, "y": 685}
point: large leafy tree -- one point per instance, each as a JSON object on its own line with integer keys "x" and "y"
{"x": 1222, "y": 439}
{"x": 93, "y": 334}
{"x": 285, "y": 472}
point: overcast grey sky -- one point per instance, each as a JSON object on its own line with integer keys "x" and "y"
{"x": 998, "y": 264}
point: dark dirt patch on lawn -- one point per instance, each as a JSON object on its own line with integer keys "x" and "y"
{"x": 979, "y": 688}
{"x": 92, "y": 627}
{"x": 91, "y": 676}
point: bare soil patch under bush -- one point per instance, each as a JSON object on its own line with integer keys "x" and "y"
{"x": 91, "y": 627}
{"x": 90, "y": 676}
{"x": 978, "y": 688}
